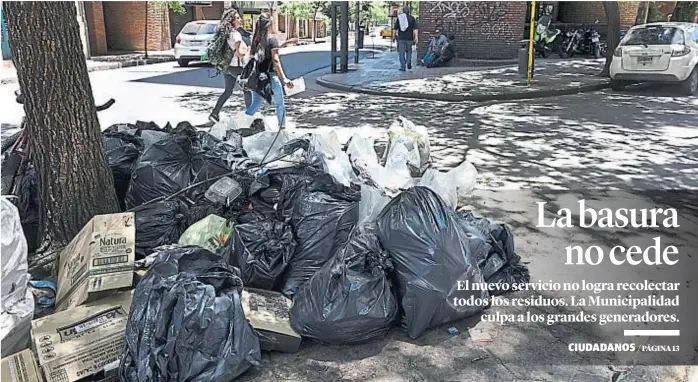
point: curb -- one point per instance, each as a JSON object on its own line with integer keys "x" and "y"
{"x": 543, "y": 93}
{"x": 110, "y": 65}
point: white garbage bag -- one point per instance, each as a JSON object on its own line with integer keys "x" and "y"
{"x": 361, "y": 149}
{"x": 465, "y": 178}
{"x": 17, "y": 300}
{"x": 238, "y": 121}
{"x": 14, "y": 256}
{"x": 371, "y": 204}
{"x": 257, "y": 146}
{"x": 415, "y": 139}
{"x": 442, "y": 184}
{"x": 335, "y": 161}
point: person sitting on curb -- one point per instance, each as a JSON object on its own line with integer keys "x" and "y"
{"x": 448, "y": 52}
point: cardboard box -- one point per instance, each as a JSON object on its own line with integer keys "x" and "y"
{"x": 20, "y": 367}
{"x": 268, "y": 313}
{"x": 81, "y": 341}
{"x": 100, "y": 258}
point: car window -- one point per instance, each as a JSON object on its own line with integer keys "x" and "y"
{"x": 695, "y": 34}
{"x": 198, "y": 29}
{"x": 656, "y": 35}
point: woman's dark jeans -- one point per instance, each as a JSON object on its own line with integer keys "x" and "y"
{"x": 230, "y": 78}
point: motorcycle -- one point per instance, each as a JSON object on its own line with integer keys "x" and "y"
{"x": 582, "y": 42}
{"x": 545, "y": 39}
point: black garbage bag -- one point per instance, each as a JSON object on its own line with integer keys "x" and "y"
{"x": 350, "y": 300}
{"x": 498, "y": 260}
{"x": 28, "y": 206}
{"x": 170, "y": 165}
{"x": 322, "y": 214}
{"x": 160, "y": 223}
{"x": 122, "y": 161}
{"x": 431, "y": 254}
{"x": 187, "y": 322}
{"x": 261, "y": 250}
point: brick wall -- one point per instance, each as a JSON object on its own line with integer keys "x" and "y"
{"x": 587, "y": 12}
{"x": 94, "y": 15}
{"x": 213, "y": 12}
{"x": 125, "y": 23}
{"x": 483, "y": 30}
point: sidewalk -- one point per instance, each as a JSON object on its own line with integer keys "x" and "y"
{"x": 8, "y": 75}
{"x": 380, "y": 76}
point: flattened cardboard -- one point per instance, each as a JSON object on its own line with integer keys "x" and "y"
{"x": 81, "y": 341}
{"x": 268, "y": 313}
{"x": 99, "y": 259}
{"x": 20, "y": 367}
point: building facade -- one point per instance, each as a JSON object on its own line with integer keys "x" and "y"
{"x": 494, "y": 29}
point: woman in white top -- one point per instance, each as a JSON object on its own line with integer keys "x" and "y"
{"x": 230, "y": 22}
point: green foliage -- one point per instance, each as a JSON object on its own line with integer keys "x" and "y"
{"x": 305, "y": 9}
{"x": 685, "y": 11}
{"x": 176, "y": 7}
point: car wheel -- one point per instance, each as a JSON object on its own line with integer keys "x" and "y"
{"x": 617, "y": 85}
{"x": 183, "y": 63}
{"x": 690, "y": 85}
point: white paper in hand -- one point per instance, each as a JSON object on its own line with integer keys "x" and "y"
{"x": 298, "y": 87}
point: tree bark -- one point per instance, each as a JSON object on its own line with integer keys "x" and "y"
{"x": 74, "y": 179}
{"x": 613, "y": 35}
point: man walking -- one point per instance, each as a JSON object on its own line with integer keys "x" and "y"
{"x": 405, "y": 31}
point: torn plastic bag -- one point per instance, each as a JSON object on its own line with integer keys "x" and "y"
{"x": 416, "y": 141}
{"x": 159, "y": 224}
{"x": 431, "y": 254}
{"x": 17, "y": 300}
{"x": 350, "y": 300}
{"x": 371, "y": 204}
{"x": 261, "y": 250}
{"x": 497, "y": 260}
{"x": 326, "y": 149}
{"x": 322, "y": 214}
{"x": 211, "y": 233}
{"x": 187, "y": 322}
{"x": 169, "y": 166}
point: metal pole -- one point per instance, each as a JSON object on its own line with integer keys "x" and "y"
{"x": 647, "y": 11}
{"x": 333, "y": 33}
{"x": 356, "y": 33}
{"x": 344, "y": 42}
{"x": 530, "y": 43}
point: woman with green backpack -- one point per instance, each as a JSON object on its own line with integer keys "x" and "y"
{"x": 226, "y": 51}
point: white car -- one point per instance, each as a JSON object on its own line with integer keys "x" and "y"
{"x": 660, "y": 52}
{"x": 192, "y": 41}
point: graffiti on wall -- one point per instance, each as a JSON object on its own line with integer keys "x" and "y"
{"x": 488, "y": 18}
{"x": 452, "y": 15}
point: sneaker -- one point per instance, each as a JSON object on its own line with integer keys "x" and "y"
{"x": 409, "y": 66}
{"x": 402, "y": 69}
{"x": 214, "y": 118}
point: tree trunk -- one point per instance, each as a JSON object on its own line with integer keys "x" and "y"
{"x": 75, "y": 182}
{"x": 613, "y": 33}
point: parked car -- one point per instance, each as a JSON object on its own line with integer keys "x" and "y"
{"x": 192, "y": 41}
{"x": 658, "y": 52}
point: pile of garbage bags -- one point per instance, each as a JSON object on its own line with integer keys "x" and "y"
{"x": 360, "y": 242}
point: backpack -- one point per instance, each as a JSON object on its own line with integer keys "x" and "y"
{"x": 219, "y": 53}
{"x": 251, "y": 79}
